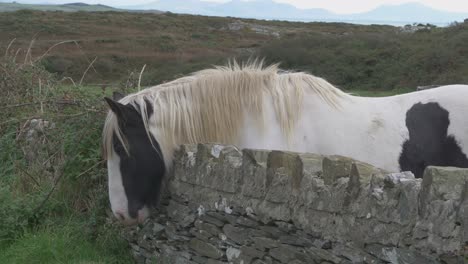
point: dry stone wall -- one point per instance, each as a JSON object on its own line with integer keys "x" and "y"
{"x": 254, "y": 206}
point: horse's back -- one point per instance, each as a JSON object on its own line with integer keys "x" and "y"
{"x": 422, "y": 128}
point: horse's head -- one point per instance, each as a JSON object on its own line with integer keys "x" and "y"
{"x": 135, "y": 170}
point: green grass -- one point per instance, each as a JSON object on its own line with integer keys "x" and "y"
{"x": 373, "y": 93}
{"x": 65, "y": 243}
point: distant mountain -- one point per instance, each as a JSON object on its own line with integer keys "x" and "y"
{"x": 71, "y": 7}
{"x": 236, "y": 8}
{"x": 177, "y": 6}
{"x": 268, "y": 9}
{"x": 402, "y": 14}
{"x": 410, "y": 12}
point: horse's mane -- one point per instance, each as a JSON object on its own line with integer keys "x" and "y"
{"x": 210, "y": 105}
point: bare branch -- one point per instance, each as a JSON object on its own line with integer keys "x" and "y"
{"x": 90, "y": 65}
{"x": 29, "y": 175}
{"x": 52, "y": 47}
{"x": 68, "y": 78}
{"x": 28, "y": 52}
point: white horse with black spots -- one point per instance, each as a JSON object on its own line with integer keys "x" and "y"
{"x": 260, "y": 107}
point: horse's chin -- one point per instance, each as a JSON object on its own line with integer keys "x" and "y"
{"x": 143, "y": 215}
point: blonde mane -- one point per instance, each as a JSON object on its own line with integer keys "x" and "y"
{"x": 210, "y": 105}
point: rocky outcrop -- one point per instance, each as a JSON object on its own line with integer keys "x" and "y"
{"x": 254, "y": 206}
{"x": 32, "y": 135}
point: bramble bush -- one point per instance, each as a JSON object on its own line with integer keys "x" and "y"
{"x": 53, "y": 198}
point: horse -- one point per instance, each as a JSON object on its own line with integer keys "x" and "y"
{"x": 260, "y": 106}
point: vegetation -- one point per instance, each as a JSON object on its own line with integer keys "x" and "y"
{"x": 351, "y": 56}
{"x": 379, "y": 61}
{"x": 53, "y": 203}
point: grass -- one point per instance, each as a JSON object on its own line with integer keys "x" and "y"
{"x": 374, "y": 93}
{"x": 65, "y": 243}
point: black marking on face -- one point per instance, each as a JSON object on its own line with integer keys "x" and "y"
{"x": 143, "y": 170}
{"x": 428, "y": 142}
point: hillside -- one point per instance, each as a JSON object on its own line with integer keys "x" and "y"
{"x": 71, "y": 7}
{"x": 11, "y": 7}
{"x": 350, "y": 56}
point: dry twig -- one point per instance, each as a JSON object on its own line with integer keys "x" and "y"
{"x": 139, "y": 77}
{"x": 8, "y": 48}
{"x": 29, "y": 175}
{"x": 90, "y": 65}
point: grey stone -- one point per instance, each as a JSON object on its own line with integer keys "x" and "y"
{"x": 250, "y": 253}
{"x": 284, "y": 174}
{"x": 244, "y": 221}
{"x": 172, "y": 259}
{"x": 177, "y": 211}
{"x": 157, "y": 228}
{"x": 232, "y": 254}
{"x": 263, "y": 243}
{"x": 323, "y": 255}
{"x": 296, "y": 261}
{"x": 354, "y": 254}
{"x": 210, "y": 228}
{"x": 171, "y": 233}
{"x": 295, "y": 241}
{"x": 398, "y": 255}
{"x": 188, "y": 220}
{"x": 274, "y": 232}
{"x": 454, "y": 259}
{"x": 236, "y": 234}
{"x": 202, "y": 260}
{"x": 327, "y": 245}
{"x": 284, "y": 226}
{"x": 201, "y": 234}
{"x": 212, "y": 220}
{"x": 335, "y": 167}
{"x": 223, "y": 217}
{"x": 205, "y": 249}
{"x": 255, "y": 163}
{"x": 286, "y": 253}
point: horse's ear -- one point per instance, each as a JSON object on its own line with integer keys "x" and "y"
{"x": 115, "y": 106}
{"x": 116, "y": 96}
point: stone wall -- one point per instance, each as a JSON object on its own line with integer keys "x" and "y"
{"x": 253, "y": 206}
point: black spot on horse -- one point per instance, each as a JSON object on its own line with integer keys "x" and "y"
{"x": 143, "y": 169}
{"x": 428, "y": 142}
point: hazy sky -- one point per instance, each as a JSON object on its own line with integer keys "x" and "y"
{"x": 337, "y": 6}
{"x": 353, "y": 6}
